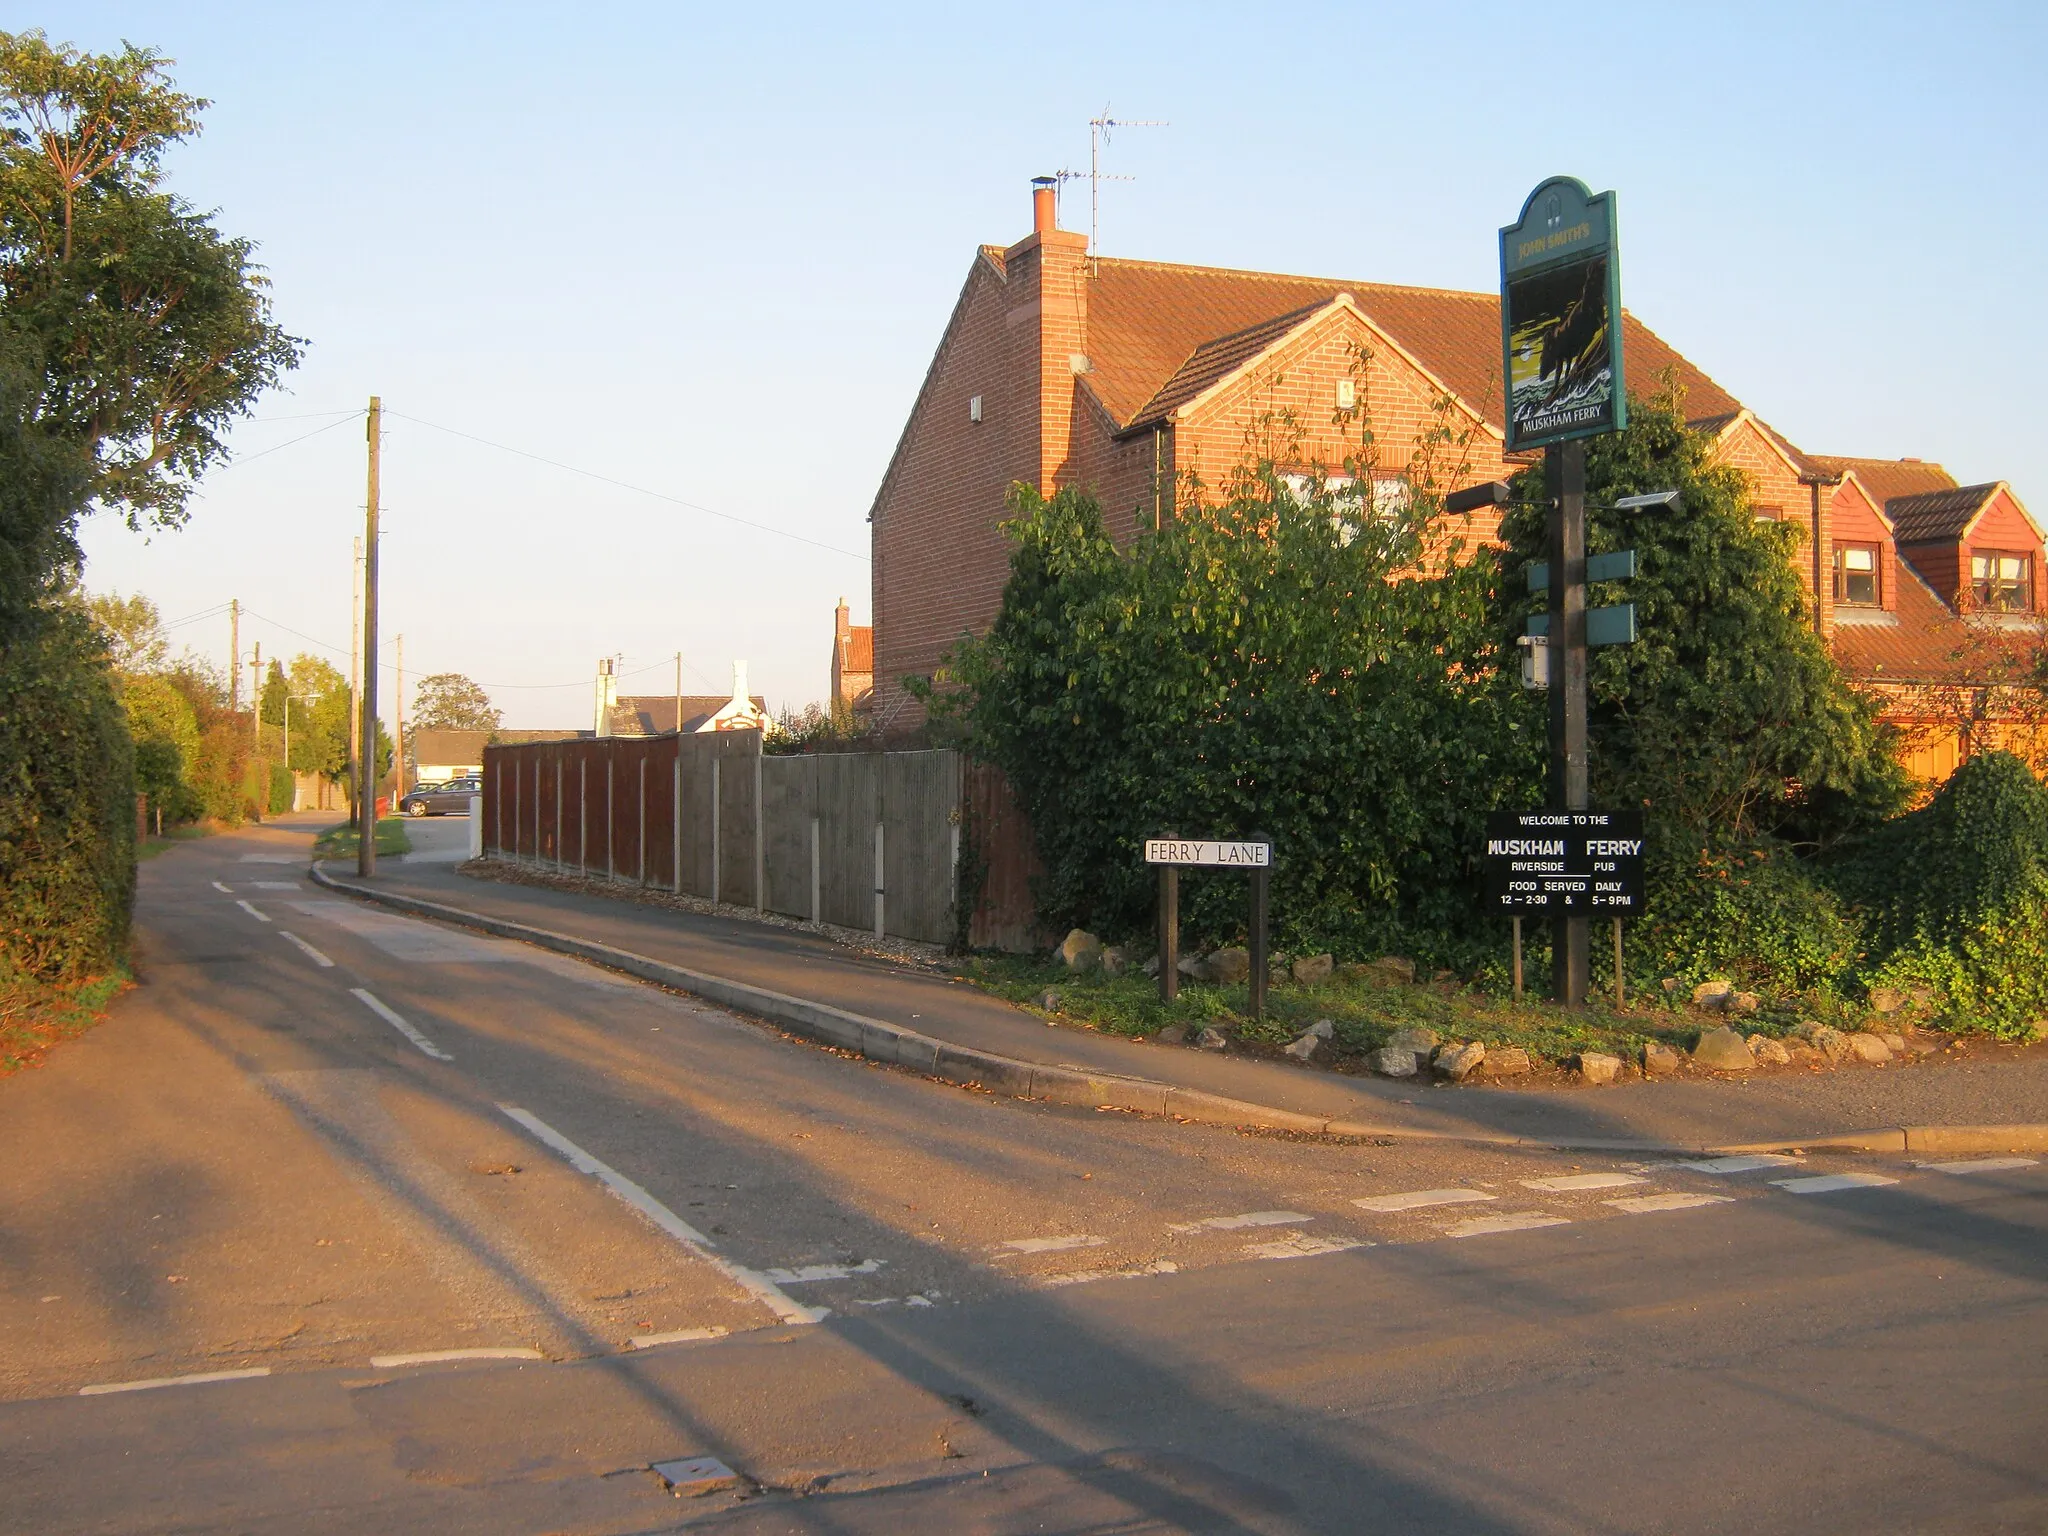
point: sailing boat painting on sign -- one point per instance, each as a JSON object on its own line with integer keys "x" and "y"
{"x": 1561, "y": 317}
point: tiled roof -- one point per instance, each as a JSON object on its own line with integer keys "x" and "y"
{"x": 1915, "y": 649}
{"x": 1147, "y": 321}
{"x": 437, "y": 745}
{"x": 655, "y": 714}
{"x": 1936, "y": 516}
{"x": 1214, "y": 361}
{"x": 1886, "y": 478}
{"x": 859, "y": 654}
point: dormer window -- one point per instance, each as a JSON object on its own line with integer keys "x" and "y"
{"x": 2002, "y": 582}
{"x": 1856, "y": 575}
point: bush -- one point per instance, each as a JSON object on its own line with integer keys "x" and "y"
{"x": 67, "y": 804}
{"x": 1751, "y": 913}
{"x": 280, "y": 799}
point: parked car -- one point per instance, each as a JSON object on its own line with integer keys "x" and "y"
{"x": 451, "y": 798}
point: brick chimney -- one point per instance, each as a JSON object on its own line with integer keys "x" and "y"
{"x": 1047, "y": 277}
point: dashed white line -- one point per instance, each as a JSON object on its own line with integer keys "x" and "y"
{"x": 807, "y": 1273}
{"x": 1746, "y": 1164}
{"x": 225, "y": 890}
{"x": 1982, "y": 1165}
{"x": 1521, "y": 1221}
{"x": 400, "y": 1025}
{"x": 1828, "y": 1183}
{"x": 310, "y": 952}
{"x": 275, "y": 885}
{"x": 1051, "y": 1244}
{"x": 1417, "y": 1199}
{"x": 1090, "y": 1276}
{"x": 759, "y": 1286}
{"x": 259, "y": 916}
{"x": 1234, "y": 1223}
{"x": 1566, "y": 1182}
{"x": 1644, "y": 1205}
{"x": 679, "y": 1336}
{"x": 440, "y": 1356}
{"x": 200, "y": 1378}
{"x": 1303, "y": 1246}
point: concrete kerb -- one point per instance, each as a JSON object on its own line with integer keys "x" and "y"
{"x": 879, "y": 1041}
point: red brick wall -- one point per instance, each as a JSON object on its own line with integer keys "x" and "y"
{"x": 2004, "y": 527}
{"x": 1852, "y": 517}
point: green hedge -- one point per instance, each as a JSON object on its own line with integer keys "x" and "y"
{"x": 67, "y": 804}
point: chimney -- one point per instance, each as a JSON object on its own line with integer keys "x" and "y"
{"x": 739, "y": 682}
{"x": 607, "y": 694}
{"x": 842, "y": 623}
{"x": 1045, "y": 192}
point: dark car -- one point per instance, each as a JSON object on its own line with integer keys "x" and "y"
{"x": 451, "y": 798}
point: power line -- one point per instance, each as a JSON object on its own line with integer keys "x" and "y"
{"x": 421, "y": 671}
{"x": 347, "y": 410}
{"x": 624, "y": 485}
{"x": 289, "y": 442}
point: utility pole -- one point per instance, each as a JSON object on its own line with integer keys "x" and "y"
{"x": 398, "y": 704}
{"x": 234, "y": 655}
{"x": 355, "y": 672}
{"x": 366, "y": 759}
{"x": 256, "y": 697}
{"x": 1564, "y": 475}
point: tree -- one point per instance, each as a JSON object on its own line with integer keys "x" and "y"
{"x": 448, "y": 701}
{"x": 133, "y": 332}
{"x": 133, "y": 632}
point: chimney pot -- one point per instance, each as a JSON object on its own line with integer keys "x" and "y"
{"x": 1044, "y": 204}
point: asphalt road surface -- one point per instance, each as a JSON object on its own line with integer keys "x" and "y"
{"x": 457, "y": 1235}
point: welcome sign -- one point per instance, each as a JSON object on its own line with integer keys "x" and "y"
{"x": 1560, "y": 306}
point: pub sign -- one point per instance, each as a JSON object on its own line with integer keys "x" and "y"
{"x": 1560, "y": 279}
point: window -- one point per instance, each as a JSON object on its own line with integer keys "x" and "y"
{"x": 2002, "y": 581}
{"x": 1856, "y": 575}
{"x": 1768, "y": 514}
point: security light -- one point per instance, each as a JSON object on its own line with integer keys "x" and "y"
{"x": 1646, "y": 500}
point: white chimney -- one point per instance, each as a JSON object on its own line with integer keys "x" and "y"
{"x": 739, "y": 682}
{"x": 607, "y": 695}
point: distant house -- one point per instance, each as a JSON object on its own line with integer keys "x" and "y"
{"x": 853, "y": 662}
{"x": 440, "y": 755}
{"x": 655, "y": 714}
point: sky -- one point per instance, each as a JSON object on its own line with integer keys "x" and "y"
{"x": 647, "y": 291}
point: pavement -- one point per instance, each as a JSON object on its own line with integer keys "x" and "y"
{"x": 353, "y": 1222}
{"x": 1990, "y": 1086}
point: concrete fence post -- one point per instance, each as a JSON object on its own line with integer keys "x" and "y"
{"x": 476, "y": 826}
{"x": 717, "y": 805}
{"x": 760, "y": 833}
{"x": 880, "y": 895}
{"x": 817, "y": 876}
{"x": 676, "y": 829}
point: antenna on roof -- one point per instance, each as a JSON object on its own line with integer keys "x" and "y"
{"x": 1099, "y": 129}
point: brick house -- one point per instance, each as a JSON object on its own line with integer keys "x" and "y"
{"x": 853, "y": 663}
{"x": 1135, "y": 379}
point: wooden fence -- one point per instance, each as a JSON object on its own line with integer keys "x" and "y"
{"x": 865, "y": 840}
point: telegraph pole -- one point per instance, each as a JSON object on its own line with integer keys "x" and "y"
{"x": 355, "y": 675}
{"x": 1564, "y": 474}
{"x": 256, "y": 697}
{"x": 366, "y": 749}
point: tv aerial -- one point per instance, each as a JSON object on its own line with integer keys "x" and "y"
{"x": 1100, "y": 129}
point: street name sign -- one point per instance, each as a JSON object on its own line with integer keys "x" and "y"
{"x": 1581, "y": 863}
{"x": 1197, "y": 851}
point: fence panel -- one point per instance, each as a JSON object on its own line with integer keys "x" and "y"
{"x": 788, "y": 802}
{"x": 738, "y": 752}
{"x": 920, "y": 817}
{"x": 849, "y": 805}
{"x": 997, "y": 845}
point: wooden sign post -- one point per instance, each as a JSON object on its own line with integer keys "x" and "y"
{"x": 1172, "y": 854}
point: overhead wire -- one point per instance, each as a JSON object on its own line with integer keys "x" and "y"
{"x": 388, "y": 666}
{"x": 289, "y": 443}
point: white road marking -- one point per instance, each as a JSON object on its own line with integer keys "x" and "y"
{"x": 1416, "y": 1199}
{"x": 1233, "y": 1223}
{"x": 1090, "y": 1276}
{"x": 1748, "y": 1164}
{"x": 173, "y": 1381}
{"x": 252, "y": 912}
{"x": 437, "y": 1356}
{"x": 1570, "y": 1181}
{"x": 1644, "y": 1205}
{"x": 311, "y": 953}
{"x": 1303, "y": 1246}
{"x": 915, "y": 1299}
{"x": 1982, "y": 1165}
{"x": 805, "y": 1274}
{"x": 759, "y": 1286}
{"x": 225, "y": 890}
{"x": 401, "y": 1026}
{"x": 275, "y": 885}
{"x": 271, "y": 858}
{"x": 1521, "y": 1221}
{"x": 1828, "y": 1183}
{"x": 680, "y": 1336}
{"x": 1050, "y": 1244}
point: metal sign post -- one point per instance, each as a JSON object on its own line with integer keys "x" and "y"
{"x": 1172, "y": 854}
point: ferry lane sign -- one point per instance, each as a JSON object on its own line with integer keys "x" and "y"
{"x": 1557, "y": 863}
{"x": 1200, "y": 852}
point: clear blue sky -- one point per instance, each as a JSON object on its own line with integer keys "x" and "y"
{"x": 709, "y": 251}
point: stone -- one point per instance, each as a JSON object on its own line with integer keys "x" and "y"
{"x": 1212, "y": 1039}
{"x": 1771, "y": 1053}
{"x": 1173, "y": 1034}
{"x": 1312, "y": 970}
{"x": 1390, "y": 970}
{"x": 1049, "y": 1000}
{"x": 1389, "y": 1062}
{"x": 1660, "y": 1060}
{"x": 1227, "y": 967}
{"x": 1746, "y": 1002}
{"x": 1151, "y": 966}
{"x": 1598, "y": 1066}
{"x": 1709, "y": 994}
{"x": 1805, "y": 1028}
{"x": 1508, "y": 1061}
{"x": 1304, "y": 1047}
{"x": 1081, "y": 950}
{"x": 1415, "y": 1040}
{"x": 1896, "y": 1043}
{"x": 1323, "y": 1029}
{"x": 1920, "y": 1045}
{"x": 1671, "y": 983}
{"x": 1115, "y": 960}
{"x": 1459, "y": 1061}
{"x": 1923, "y": 997}
{"x": 1832, "y": 1043}
{"x": 1723, "y": 1050}
{"x": 1869, "y": 1047}
{"x": 1887, "y": 999}
{"x": 1799, "y": 1054}
{"x": 1193, "y": 967}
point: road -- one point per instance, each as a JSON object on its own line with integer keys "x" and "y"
{"x": 467, "y": 1237}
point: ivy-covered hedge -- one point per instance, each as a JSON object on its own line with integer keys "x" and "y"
{"x": 67, "y": 804}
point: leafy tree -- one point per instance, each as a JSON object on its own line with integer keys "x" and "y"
{"x": 448, "y": 701}
{"x": 133, "y": 631}
{"x": 132, "y": 331}
{"x": 165, "y": 729}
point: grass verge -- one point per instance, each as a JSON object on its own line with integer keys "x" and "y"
{"x": 150, "y": 847}
{"x": 341, "y": 841}
{"x": 34, "y": 1016}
